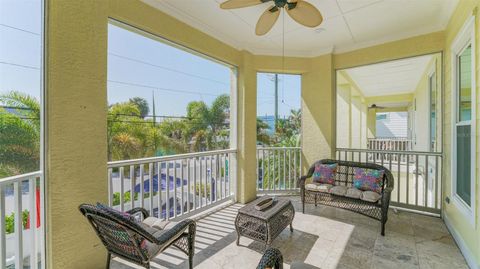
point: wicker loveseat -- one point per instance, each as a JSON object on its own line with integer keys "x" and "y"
{"x": 344, "y": 177}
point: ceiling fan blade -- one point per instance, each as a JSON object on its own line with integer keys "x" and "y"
{"x": 267, "y": 20}
{"x": 230, "y": 4}
{"x": 305, "y": 14}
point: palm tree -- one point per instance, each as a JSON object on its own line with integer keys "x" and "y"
{"x": 262, "y": 136}
{"x": 131, "y": 136}
{"x": 207, "y": 125}
{"x": 20, "y": 129}
{"x": 141, "y": 104}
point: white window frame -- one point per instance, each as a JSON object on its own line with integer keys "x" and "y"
{"x": 432, "y": 73}
{"x": 465, "y": 37}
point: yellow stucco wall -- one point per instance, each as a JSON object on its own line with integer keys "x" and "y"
{"x": 318, "y": 129}
{"x": 76, "y": 58}
{"x": 419, "y": 45}
{"x": 469, "y": 233}
{"x": 77, "y": 109}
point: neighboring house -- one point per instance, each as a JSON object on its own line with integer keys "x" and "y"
{"x": 392, "y": 124}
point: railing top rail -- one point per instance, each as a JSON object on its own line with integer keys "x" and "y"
{"x": 440, "y": 154}
{"x": 168, "y": 158}
{"x": 390, "y": 138}
{"x": 21, "y": 177}
{"x": 276, "y": 148}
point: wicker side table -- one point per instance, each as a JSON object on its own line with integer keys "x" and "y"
{"x": 264, "y": 225}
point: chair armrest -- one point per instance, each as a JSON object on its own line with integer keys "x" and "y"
{"x": 137, "y": 210}
{"x": 301, "y": 181}
{"x": 175, "y": 231}
{"x": 272, "y": 258}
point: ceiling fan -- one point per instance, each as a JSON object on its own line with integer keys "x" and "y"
{"x": 374, "y": 106}
{"x": 299, "y": 10}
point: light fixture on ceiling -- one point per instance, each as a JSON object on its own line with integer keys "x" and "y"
{"x": 374, "y": 106}
{"x": 299, "y": 10}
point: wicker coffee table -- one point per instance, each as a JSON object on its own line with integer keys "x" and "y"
{"x": 264, "y": 225}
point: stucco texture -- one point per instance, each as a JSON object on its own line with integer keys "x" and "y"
{"x": 76, "y": 97}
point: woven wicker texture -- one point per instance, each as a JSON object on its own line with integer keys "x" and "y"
{"x": 131, "y": 241}
{"x": 272, "y": 258}
{"x": 344, "y": 177}
{"x": 267, "y": 224}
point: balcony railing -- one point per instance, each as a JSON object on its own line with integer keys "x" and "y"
{"x": 278, "y": 168}
{"x": 390, "y": 143}
{"x": 172, "y": 186}
{"x": 418, "y": 175}
{"x": 21, "y": 221}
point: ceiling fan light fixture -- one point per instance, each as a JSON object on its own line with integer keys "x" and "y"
{"x": 299, "y": 10}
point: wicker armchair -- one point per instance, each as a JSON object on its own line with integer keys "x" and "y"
{"x": 135, "y": 241}
{"x": 344, "y": 177}
{"x": 271, "y": 259}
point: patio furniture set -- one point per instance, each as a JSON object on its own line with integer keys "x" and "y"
{"x": 135, "y": 236}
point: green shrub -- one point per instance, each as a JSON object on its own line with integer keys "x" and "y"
{"x": 10, "y": 221}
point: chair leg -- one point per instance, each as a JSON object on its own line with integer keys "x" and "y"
{"x": 109, "y": 257}
{"x": 383, "y": 229}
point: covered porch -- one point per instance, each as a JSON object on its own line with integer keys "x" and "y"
{"x": 429, "y": 224}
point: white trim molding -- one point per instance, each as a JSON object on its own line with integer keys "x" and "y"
{"x": 467, "y": 254}
{"x": 464, "y": 38}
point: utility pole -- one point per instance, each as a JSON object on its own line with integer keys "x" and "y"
{"x": 154, "y": 122}
{"x": 276, "y": 101}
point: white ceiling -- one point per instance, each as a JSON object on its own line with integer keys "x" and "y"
{"x": 390, "y": 78}
{"x": 347, "y": 25}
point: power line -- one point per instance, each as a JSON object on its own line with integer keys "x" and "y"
{"x": 128, "y": 83}
{"x": 148, "y": 116}
{"x": 167, "y": 68}
{"x": 162, "y": 89}
{"x": 20, "y": 65}
{"x": 19, "y": 29}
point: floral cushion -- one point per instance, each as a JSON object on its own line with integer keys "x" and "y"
{"x": 368, "y": 179}
{"x": 325, "y": 173}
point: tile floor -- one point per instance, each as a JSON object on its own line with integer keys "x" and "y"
{"x": 323, "y": 237}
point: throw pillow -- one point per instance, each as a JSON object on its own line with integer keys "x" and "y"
{"x": 325, "y": 173}
{"x": 368, "y": 179}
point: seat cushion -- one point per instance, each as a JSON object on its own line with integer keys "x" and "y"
{"x": 318, "y": 187}
{"x": 325, "y": 173}
{"x": 368, "y": 179}
{"x": 156, "y": 223}
{"x": 338, "y": 190}
{"x": 353, "y": 193}
{"x": 311, "y": 186}
{"x": 370, "y": 196}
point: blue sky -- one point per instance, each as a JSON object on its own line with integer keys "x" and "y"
{"x": 137, "y": 66}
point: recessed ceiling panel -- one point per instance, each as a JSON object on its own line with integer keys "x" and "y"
{"x": 348, "y": 24}
{"x": 390, "y": 78}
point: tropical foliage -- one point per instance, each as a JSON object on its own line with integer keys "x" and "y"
{"x": 20, "y": 129}
{"x": 278, "y": 167}
{"x": 131, "y": 132}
